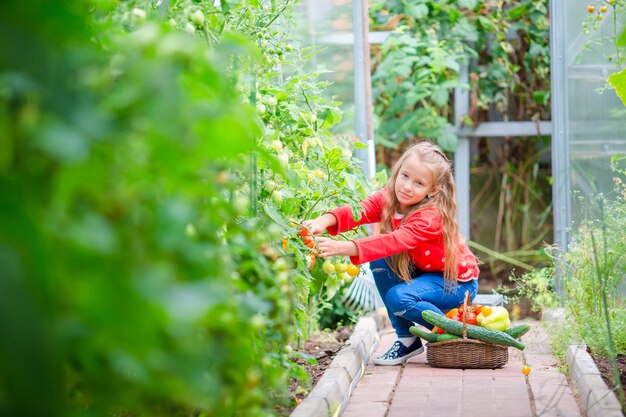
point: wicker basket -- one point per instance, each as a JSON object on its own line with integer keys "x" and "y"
{"x": 466, "y": 353}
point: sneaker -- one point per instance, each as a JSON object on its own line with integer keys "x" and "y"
{"x": 398, "y": 353}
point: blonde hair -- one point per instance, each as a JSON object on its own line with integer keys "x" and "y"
{"x": 444, "y": 200}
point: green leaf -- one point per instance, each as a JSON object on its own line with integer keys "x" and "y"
{"x": 440, "y": 97}
{"x": 486, "y": 23}
{"x": 417, "y": 11}
{"x": 448, "y": 141}
{"x": 470, "y": 4}
{"x": 618, "y": 81}
{"x": 541, "y": 97}
{"x": 515, "y": 13}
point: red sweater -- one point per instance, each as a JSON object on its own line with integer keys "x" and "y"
{"x": 420, "y": 235}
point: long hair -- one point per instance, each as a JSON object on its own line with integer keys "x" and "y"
{"x": 445, "y": 200}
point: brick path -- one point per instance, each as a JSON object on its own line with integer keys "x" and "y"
{"x": 416, "y": 389}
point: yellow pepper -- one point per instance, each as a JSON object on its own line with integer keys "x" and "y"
{"x": 497, "y": 320}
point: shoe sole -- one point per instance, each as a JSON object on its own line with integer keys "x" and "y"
{"x": 398, "y": 361}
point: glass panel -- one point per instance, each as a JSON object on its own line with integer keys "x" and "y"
{"x": 327, "y": 24}
{"x": 597, "y": 119}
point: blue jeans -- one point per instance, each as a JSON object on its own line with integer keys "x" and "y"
{"x": 405, "y": 301}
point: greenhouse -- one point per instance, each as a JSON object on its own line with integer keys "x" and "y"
{"x": 313, "y": 208}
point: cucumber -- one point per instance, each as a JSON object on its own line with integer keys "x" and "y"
{"x": 429, "y": 337}
{"x": 447, "y": 336}
{"x": 517, "y": 331}
{"x": 495, "y": 337}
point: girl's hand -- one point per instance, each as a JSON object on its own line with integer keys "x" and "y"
{"x": 317, "y": 226}
{"x": 330, "y": 247}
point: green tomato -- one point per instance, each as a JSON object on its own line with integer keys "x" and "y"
{"x": 341, "y": 267}
{"x": 284, "y": 159}
{"x": 197, "y": 18}
{"x": 260, "y": 108}
{"x": 269, "y": 186}
{"x": 328, "y": 267}
{"x": 271, "y": 101}
{"x": 241, "y": 203}
{"x": 258, "y": 322}
{"x": 277, "y": 196}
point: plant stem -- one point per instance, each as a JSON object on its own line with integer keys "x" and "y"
{"x": 497, "y": 255}
{"x": 605, "y": 308}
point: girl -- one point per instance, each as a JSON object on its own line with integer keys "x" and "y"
{"x": 419, "y": 260}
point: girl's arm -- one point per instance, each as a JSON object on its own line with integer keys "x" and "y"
{"x": 318, "y": 225}
{"x": 371, "y": 209}
{"x": 422, "y": 226}
{"x": 331, "y": 247}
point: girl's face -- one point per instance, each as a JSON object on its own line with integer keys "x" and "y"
{"x": 415, "y": 181}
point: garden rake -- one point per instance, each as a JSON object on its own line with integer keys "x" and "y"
{"x": 362, "y": 294}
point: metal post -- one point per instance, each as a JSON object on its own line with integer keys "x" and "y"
{"x": 363, "y": 87}
{"x": 560, "y": 146}
{"x": 462, "y": 156}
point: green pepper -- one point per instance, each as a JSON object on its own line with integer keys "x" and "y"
{"x": 497, "y": 320}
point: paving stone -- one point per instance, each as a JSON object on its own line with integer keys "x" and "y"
{"x": 360, "y": 409}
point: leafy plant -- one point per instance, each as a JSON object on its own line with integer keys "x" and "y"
{"x": 596, "y": 13}
{"x": 419, "y": 64}
{"x": 140, "y": 235}
{"x": 592, "y": 270}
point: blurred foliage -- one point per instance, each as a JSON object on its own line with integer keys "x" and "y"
{"x": 140, "y": 235}
{"x": 505, "y": 47}
{"x": 504, "y": 44}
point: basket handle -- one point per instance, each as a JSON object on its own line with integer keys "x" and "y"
{"x": 466, "y": 302}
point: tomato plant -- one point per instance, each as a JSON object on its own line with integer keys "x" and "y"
{"x": 158, "y": 268}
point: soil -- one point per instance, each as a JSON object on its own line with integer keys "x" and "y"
{"x": 606, "y": 370}
{"x": 322, "y": 347}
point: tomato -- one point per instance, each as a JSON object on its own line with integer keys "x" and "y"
{"x": 470, "y": 309}
{"x": 328, "y": 267}
{"x": 353, "y": 270}
{"x": 197, "y": 18}
{"x": 277, "y": 196}
{"x": 269, "y": 186}
{"x": 284, "y": 244}
{"x": 604, "y": 9}
{"x": 591, "y": 8}
{"x": 486, "y": 311}
{"x": 307, "y": 239}
{"x": 341, "y": 267}
{"x": 477, "y": 308}
{"x": 277, "y": 145}
{"x": 470, "y": 318}
{"x": 526, "y": 370}
{"x": 303, "y": 232}
{"x": 271, "y": 101}
{"x": 311, "y": 244}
